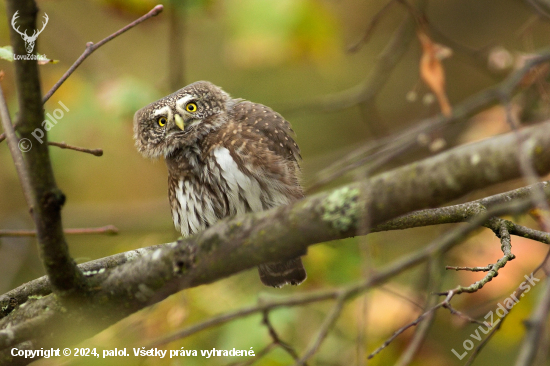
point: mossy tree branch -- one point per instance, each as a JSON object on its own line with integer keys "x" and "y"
{"x": 118, "y": 286}
{"x": 243, "y": 242}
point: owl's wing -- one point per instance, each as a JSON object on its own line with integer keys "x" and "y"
{"x": 269, "y": 124}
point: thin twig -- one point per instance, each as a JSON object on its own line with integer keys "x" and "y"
{"x": 494, "y": 204}
{"x": 224, "y": 318}
{"x": 91, "y": 47}
{"x": 370, "y": 27}
{"x": 535, "y": 329}
{"x": 13, "y": 144}
{"x": 107, "y": 230}
{"x": 325, "y": 327}
{"x": 500, "y": 228}
{"x": 441, "y": 245}
{"x": 411, "y": 324}
{"x": 471, "y": 269}
{"x": 519, "y": 293}
{"x": 66, "y": 279}
{"x": 63, "y": 145}
{"x": 421, "y": 332}
{"x": 276, "y": 339}
{"x": 402, "y": 329}
{"x": 401, "y": 296}
{"x": 543, "y": 13}
{"x": 465, "y": 211}
{"x": 526, "y": 162}
{"x": 366, "y": 91}
{"x": 259, "y": 355}
{"x": 483, "y": 343}
{"x": 407, "y": 139}
{"x": 460, "y": 314}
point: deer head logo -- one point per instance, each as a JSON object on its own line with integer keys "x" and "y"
{"x": 29, "y": 40}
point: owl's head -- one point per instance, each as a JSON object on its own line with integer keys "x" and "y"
{"x": 180, "y": 119}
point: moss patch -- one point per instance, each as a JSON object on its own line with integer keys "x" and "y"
{"x": 341, "y": 208}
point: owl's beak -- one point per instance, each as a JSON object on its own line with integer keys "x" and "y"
{"x": 179, "y": 121}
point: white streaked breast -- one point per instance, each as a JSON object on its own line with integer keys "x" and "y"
{"x": 238, "y": 184}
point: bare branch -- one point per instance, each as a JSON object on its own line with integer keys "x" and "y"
{"x": 41, "y": 286}
{"x": 529, "y": 347}
{"x": 536, "y": 325}
{"x": 276, "y": 339}
{"x": 48, "y": 199}
{"x": 63, "y": 145}
{"x": 16, "y": 155}
{"x": 107, "y": 230}
{"x": 378, "y": 76}
{"x": 287, "y": 231}
{"x": 325, "y": 327}
{"x": 405, "y": 140}
{"x": 421, "y": 332}
{"x": 462, "y": 315}
{"x": 143, "y": 281}
{"x": 263, "y": 306}
{"x": 502, "y": 232}
{"x": 407, "y": 326}
{"x": 259, "y": 356}
{"x": 471, "y": 269}
{"x": 440, "y": 245}
{"x": 370, "y": 27}
{"x": 465, "y": 211}
{"x": 91, "y": 47}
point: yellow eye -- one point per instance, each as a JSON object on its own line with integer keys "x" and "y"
{"x": 191, "y": 107}
{"x": 161, "y": 121}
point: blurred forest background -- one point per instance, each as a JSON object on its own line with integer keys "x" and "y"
{"x": 282, "y": 53}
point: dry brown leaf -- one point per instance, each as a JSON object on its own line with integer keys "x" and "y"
{"x": 432, "y": 71}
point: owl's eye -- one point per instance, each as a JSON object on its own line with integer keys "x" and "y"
{"x": 161, "y": 121}
{"x": 191, "y": 107}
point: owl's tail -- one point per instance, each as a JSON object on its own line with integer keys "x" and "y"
{"x": 278, "y": 274}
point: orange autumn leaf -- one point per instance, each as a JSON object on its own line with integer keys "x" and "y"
{"x": 431, "y": 69}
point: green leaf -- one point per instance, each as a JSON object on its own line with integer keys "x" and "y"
{"x": 6, "y": 53}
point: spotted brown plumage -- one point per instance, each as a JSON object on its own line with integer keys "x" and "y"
{"x": 225, "y": 157}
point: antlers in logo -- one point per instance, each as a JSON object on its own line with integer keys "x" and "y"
{"x": 29, "y": 40}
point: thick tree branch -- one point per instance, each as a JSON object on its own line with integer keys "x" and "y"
{"x": 465, "y": 211}
{"x": 65, "y": 277}
{"x": 41, "y": 286}
{"x": 444, "y": 215}
{"x": 438, "y": 247}
{"x": 243, "y": 242}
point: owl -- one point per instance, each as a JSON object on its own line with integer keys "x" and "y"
{"x": 225, "y": 157}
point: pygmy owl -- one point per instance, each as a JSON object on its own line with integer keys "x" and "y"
{"x": 225, "y": 157}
